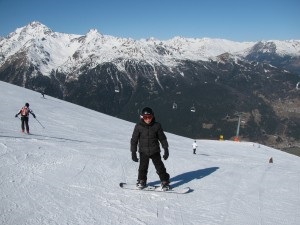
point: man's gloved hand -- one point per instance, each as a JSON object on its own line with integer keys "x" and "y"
{"x": 166, "y": 154}
{"x": 16, "y": 115}
{"x": 134, "y": 157}
{"x": 33, "y": 116}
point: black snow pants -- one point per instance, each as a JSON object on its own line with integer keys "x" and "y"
{"x": 24, "y": 123}
{"x": 158, "y": 164}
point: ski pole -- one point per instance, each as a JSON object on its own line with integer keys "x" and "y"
{"x": 39, "y": 123}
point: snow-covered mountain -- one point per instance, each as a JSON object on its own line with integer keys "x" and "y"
{"x": 117, "y": 76}
{"x": 69, "y": 173}
{"x": 46, "y": 49}
{"x": 49, "y": 50}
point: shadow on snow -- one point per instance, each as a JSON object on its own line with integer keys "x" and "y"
{"x": 188, "y": 176}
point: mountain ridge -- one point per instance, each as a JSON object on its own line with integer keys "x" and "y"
{"x": 99, "y": 48}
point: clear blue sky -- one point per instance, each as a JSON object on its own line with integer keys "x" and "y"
{"x": 236, "y": 20}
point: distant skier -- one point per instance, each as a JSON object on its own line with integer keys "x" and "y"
{"x": 194, "y": 147}
{"x": 146, "y": 135}
{"x": 24, "y": 111}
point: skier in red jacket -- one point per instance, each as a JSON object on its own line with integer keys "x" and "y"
{"x": 24, "y": 111}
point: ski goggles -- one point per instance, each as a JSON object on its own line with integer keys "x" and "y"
{"x": 148, "y": 117}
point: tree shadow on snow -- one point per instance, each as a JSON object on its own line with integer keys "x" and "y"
{"x": 188, "y": 176}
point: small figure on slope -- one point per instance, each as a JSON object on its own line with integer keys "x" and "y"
{"x": 24, "y": 111}
{"x": 146, "y": 135}
{"x": 194, "y": 147}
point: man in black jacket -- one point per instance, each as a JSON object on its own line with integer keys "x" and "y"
{"x": 146, "y": 135}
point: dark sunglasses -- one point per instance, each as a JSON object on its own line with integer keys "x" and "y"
{"x": 147, "y": 117}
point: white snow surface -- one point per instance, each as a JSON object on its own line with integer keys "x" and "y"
{"x": 69, "y": 173}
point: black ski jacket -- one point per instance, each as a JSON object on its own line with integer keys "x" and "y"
{"x": 147, "y": 137}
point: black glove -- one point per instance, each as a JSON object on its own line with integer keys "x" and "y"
{"x": 33, "y": 115}
{"x": 134, "y": 157}
{"x": 16, "y": 115}
{"x": 166, "y": 154}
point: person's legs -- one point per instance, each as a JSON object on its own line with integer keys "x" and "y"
{"x": 143, "y": 167}
{"x": 22, "y": 124}
{"x": 26, "y": 124}
{"x": 160, "y": 168}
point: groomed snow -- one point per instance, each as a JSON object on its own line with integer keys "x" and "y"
{"x": 69, "y": 173}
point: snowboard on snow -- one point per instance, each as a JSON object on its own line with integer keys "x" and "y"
{"x": 155, "y": 188}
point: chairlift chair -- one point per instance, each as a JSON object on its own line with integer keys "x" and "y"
{"x": 193, "y": 109}
{"x": 117, "y": 90}
{"x": 174, "y": 106}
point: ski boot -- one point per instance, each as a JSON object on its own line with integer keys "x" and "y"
{"x": 165, "y": 185}
{"x": 141, "y": 184}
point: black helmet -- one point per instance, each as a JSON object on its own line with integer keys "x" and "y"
{"x": 27, "y": 104}
{"x": 147, "y": 111}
